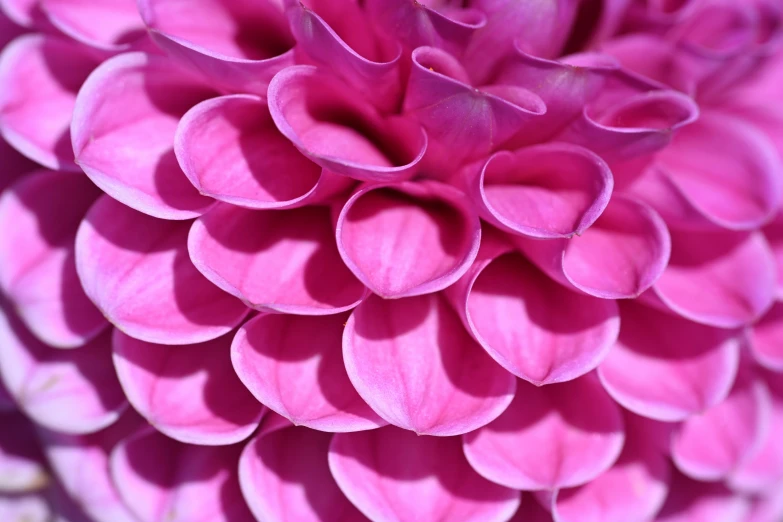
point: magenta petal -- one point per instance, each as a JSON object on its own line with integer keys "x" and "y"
{"x": 39, "y": 78}
{"x": 408, "y": 239}
{"x": 14, "y": 165}
{"x": 22, "y": 467}
{"x": 73, "y": 391}
{"x": 667, "y": 368}
{"x": 40, "y": 277}
{"x": 392, "y": 474}
{"x": 341, "y": 133}
{"x": 415, "y": 365}
{"x": 284, "y": 474}
{"x": 556, "y": 436}
{"x": 766, "y": 338}
{"x": 162, "y": 480}
{"x": 136, "y": 269}
{"x": 774, "y": 235}
{"x": 696, "y": 501}
{"x": 230, "y": 150}
{"x": 282, "y": 261}
{"x": 24, "y": 13}
{"x": 189, "y": 393}
{"x": 544, "y": 191}
{"x": 123, "y": 130}
{"x": 294, "y": 365}
{"x": 238, "y": 46}
{"x": 111, "y": 25}
{"x": 620, "y": 256}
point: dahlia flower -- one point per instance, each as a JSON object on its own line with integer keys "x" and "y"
{"x": 391, "y": 260}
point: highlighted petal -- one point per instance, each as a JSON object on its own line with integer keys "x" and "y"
{"x": 281, "y": 261}
{"x": 415, "y": 365}
{"x": 766, "y": 338}
{"x": 162, "y": 480}
{"x": 123, "y": 130}
{"x": 284, "y": 475}
{"x": 22, "y": 467}
{"x": 39, "y": 78}
{"x": 697, "y": 501}
{"x": 393, "y": 474}
{"x": 189, "y": 393}
{"x": 136, "y": 269}
{"x": 408, "y": 239}
{"x": 110, "y": 25}
{"x": 557, "y": 436}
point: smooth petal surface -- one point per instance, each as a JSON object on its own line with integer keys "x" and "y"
{"x": 281, "y": 261}
{"x": 294, "y": 365}
{"x": 696, "y": 501}
{"x": 32, "y": 508}
{"x": 120, "y": 25}
{"x": 123, "y": 130}
{"x": 415, "y": 365}
{"x": 556, "y": 436}
{"x": 408, "y": 239}
{"x": 189, "y": 393}
{"x": 136, "y": 269}
{"x": 766, "y": 338}
{"x": 22, "y": 467}
{"x": 393, "y": 474}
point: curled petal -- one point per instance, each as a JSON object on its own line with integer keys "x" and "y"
{"x": 766, "y": 338}
{"x": 123, "y": 130}
{"x": 73, "y": 391}
{"x": 40, "y": 277}
{"x": 653, "y": 57}
{"x": 109, "y": 25}
{"x": 415, "y": 365}
{"x": 188, "y": 393}
{"x": 393, "y": 474}
{"x": 557, "y": 436}
{"x": 294, "y": 365}
{"x": 281, "y": 261}
{"x": 284, "y": 475}
{"x": 341, "y": 133}
{"x": 238, "y": 46}
{"x": 162, "y": 480}
{"x": 667, "y": 368}
{"x": 136, "y": 269}
{"x": 697, "y": 501}
{"x": 230, "y": 150}
{"x": 22, "y": 467}
{"x": 39, "y": 78}
{"x": 620, "y": 256}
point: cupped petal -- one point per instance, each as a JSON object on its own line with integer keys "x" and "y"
{"x": 189, "y": 393}
{"x": 696, "y": 501}
{"x": 550, "y": 437}
{"x": 237, "y": 46}
{"x": 722, "y": 279}
{"x": 123, "y": 130}
{"x": 136, "y": 269}
{"x": 162, "y": 480}
{"x": 39, "y": 227}
{"x": 109, "y": 25}
{"x": 230, "y": 150}
{"x": 667, "y": 368}
{"x": 620, "y": 256}
{"x": 22, "y": 467}
{"x": 330, "y": 125}
{"x": 73, "y": 391}
{"x": 415, "y": 365}
{"x": 39, "y": 78}
{"x": 408, "y": 239}
{"x": 282, "y": 261}
{"x": 284, "y": 475}
{"x": 766, "y": 338}
{"x": 294, "y": 365}
{"x": 393, "y": 474}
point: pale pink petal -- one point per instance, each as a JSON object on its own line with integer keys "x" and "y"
{"x": 27, "y": 508}
{"x": 696, "y": 501}
{"x": 22, "y": 467}
{"x": 136, "y": 269}
{"x": 768, "y": 508}
{"x": 111, "y": 25}
{"x": 766, "y": 338}
{"x": 393, "y": 474}
{"x": 189, "y": 393}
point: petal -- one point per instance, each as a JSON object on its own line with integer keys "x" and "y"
{"x": 25, "y": 13}
{"x": 39, "y": 78}
{"x": 22, "y": 467}
{"x": 189, "y": 393}
{"x": 282, "y": 261}
{"x": 556, "y": 436}
{"x": 695, "y": 501}
{"x": 294, "y": 365}
{"x": 123, "y": 133}
{"x": 415, "y": 365}
{"x": 766, "y": 338}
{"x": 668, "y": 368}
{"x": 73, "y": 391}
{"x": 110, "y": 25}
{"x": 284, "y": 474}
{"x": 136, "y": 269}
{"x": 238, "y": 46}
{"x": 393, "y": 474}
{"x": 408, "y": 239}
{"x": 774, "y": 236}
{"x": 230, "y": 150}
{"x": 325, "y": 120}
{"x": 27, "y": 508}
{"x": 162, "y": 480}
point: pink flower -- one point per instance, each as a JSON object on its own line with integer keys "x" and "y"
{"x": 385, "y": 260}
